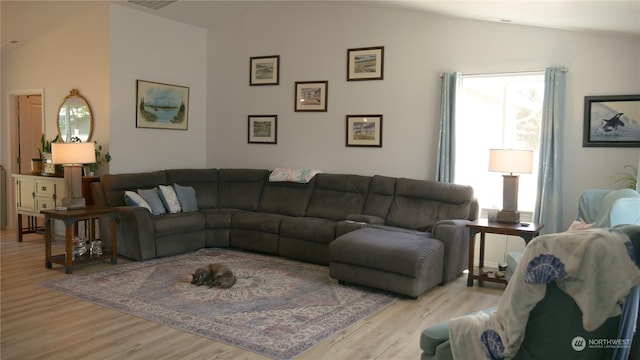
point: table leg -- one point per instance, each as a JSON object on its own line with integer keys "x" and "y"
{"x": 68, "y": 243}
{"x": 114, "y": 241}
{"x": 472, "y": 246}
{"x": 481, "y": 256}
{"x": 19, "y": 227}
{"x": 47, "y": 240}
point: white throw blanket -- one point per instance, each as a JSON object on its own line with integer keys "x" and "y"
{"x": 595, "y": 267}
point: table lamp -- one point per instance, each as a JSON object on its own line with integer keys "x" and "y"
{"x": 510, "y": 161}
{"x": 72, "y": 156}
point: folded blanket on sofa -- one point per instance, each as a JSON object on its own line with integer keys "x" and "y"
{"x": 596, "y": 267}
{"x": 292, "y": 175}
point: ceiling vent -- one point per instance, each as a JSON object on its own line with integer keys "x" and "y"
{"x": 152, "y": 4}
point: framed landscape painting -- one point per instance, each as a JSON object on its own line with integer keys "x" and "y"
{"x": 611, "y": 121}
{"x": 311, "y": 95}
{"x": 265, "y": 70}
{"x": 162, "y": 106}
{"x": 263, "y": 129}
{"x": 364, "y": 130}
{"x": 365, "y": 63}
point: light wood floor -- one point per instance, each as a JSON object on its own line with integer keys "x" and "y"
{"x": 37, "y": 323}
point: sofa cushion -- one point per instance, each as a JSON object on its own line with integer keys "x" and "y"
{"x": 387, "y": 250}
{"x": 203, "y": 181}
{"x": 241, "y": 188}
{"x": 286, "y": 198}
{"x": 308, "y": 229}
{"x": 114, "y": 185}
{"x": 337, "y": 196}
{"x": 167, "y": 224}
{"x": 380, "y": 196}
{"x": 419, "y": 204}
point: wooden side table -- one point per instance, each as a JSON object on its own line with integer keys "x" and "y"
{"x": 70, "y": 219}
{"x": 525, "y": 230}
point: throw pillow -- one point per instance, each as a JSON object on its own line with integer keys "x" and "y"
{"x": 152, "y": 197}
{"x": 186, "y": 197}
{"x": 169, "y": 199}
{"x": 133, "y": 199}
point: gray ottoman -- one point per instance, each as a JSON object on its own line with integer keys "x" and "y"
{"x": 407, "y": 263}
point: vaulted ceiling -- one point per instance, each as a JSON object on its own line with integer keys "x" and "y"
{"x": 25, "y": 20}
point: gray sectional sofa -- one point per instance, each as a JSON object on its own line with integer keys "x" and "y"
{"x": 396, "y": 234}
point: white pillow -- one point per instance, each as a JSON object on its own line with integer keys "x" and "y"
{"x": 169, "y": 199}
{"x": 132, "y": 198}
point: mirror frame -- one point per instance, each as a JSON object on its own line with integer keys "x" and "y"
{"x": 73, "y": 93}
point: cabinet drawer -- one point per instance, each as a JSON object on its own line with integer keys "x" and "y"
{"x": 45, "y": 204}
{"x": 45, "y": 188}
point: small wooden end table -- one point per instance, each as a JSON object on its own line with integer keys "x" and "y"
{"x": 525, "y": 230}
{"x": 70, "y": 218}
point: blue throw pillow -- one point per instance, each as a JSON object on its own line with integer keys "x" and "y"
{"x": 133, "y": 199}
{"x": 152, "y": 197}
{"x": 187, "y": 197}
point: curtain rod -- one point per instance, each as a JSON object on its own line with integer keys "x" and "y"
{"x": 563, "y": 69}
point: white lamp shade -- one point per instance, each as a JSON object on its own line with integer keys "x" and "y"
{"x": 511, "y": 161}
{"x": 73, "y": 153}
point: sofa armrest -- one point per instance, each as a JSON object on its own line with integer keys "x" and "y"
{"x": 455, "y": 236}
{"x": 135, "y": 233}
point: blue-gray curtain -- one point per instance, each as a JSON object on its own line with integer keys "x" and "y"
{"x": 445, "y": 159}
{"x": 548, "y": 210}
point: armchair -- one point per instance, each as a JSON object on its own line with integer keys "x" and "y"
{"x": 576, "y": 314}
{"x": 598, "y": 208}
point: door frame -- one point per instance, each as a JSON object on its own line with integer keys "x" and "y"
{"x": 12, "y": 101}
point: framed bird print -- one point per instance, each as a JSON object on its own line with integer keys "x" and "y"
{"x": 611, "y": 121}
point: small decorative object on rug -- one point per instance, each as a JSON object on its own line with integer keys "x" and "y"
{"x": 277, "y": 308}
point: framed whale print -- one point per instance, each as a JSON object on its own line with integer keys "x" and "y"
{"x": 611, "y": 121}
{"x": 162, "y": 106}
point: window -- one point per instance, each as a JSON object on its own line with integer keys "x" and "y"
{"x": 499, "y": 111}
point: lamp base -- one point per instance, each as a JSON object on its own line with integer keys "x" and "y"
{"x": 507, "y": 216}
{"x": 74, "y": 203}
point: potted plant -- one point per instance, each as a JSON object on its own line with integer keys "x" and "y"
{"x": 48, "y": 168}
{"x": 92, "y": 169}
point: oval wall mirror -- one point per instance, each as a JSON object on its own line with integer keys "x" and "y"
{"x": 75, "y": 121}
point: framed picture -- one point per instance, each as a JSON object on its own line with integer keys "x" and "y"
{"x": 162, "y": 106}
{"x": 611, "y": 121}
{"x": 265, "y": 70}
{"x": 263, "y": 129}
{"x": 364, "y": 130}
{"x": 311, "y": 95}
{"x": 365, "y": 63}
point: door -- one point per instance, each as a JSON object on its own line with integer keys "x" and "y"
{"x": 29, "y": 114}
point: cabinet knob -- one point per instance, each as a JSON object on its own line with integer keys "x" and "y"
{"x": 43, "y": 188}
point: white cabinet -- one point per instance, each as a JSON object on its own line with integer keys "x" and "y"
{"x": 33, "y": 194}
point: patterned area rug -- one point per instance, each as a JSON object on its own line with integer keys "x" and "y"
{"x": 278, "y": 308}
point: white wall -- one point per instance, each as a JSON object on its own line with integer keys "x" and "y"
{"x": 312, "y": 40}
{"x": 148, "y": 47}
{"x": 74, "y": 55}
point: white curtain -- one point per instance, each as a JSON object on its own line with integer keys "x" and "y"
{"x": 445, "y": 160}
{"x": 548, "y": 209}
